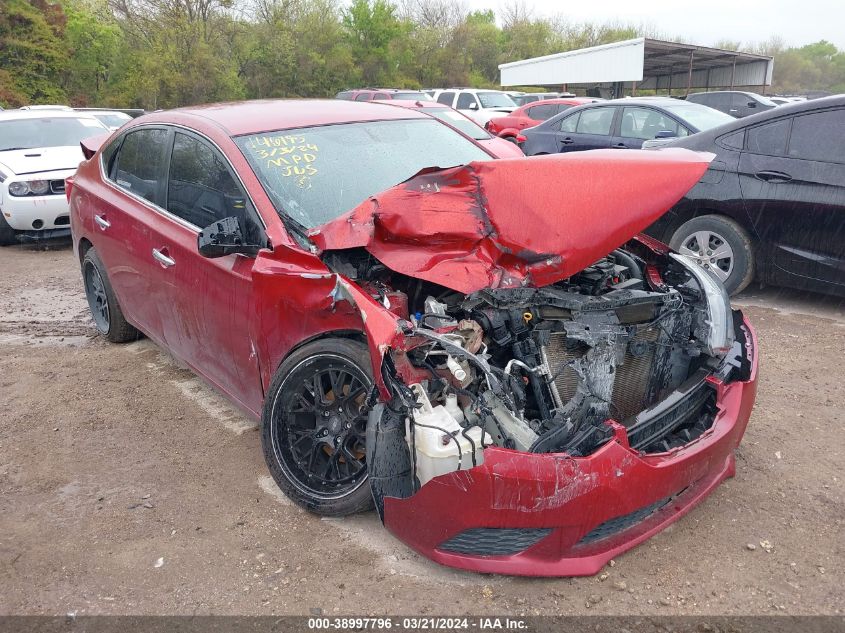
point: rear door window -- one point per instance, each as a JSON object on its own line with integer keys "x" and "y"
{"x": 140, "y": 167}
{"x": 596, "y": 121}
{"x": 769, "y": 139}
{"x": 570, "y": 123}
{"x": 446, "y": 98}
{"x": 818, "y": 137}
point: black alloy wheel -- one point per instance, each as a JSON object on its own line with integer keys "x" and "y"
{"x": 314, "y": 426}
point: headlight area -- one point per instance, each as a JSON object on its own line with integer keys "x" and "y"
{"x": 23, "y": 188}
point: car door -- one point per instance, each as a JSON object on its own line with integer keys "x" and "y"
{"x": 792, "y": 175}
{"x": 593, "y": 130}
{"x": 206, "y": 304}
{"x": 135, "y": 172}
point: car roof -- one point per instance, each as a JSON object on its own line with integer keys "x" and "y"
{"x": 12, "y": 115}
{"x": 252, "y": 117}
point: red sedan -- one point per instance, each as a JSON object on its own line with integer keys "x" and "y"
{"x": 509, "y": 127}
{"x": 483, "y": 350}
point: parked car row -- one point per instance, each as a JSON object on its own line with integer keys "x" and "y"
{"x": 739, "y": 232}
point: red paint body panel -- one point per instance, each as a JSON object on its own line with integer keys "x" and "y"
{"x": 511, "y": 223}
{"x": 572, "y": 496}
{"x": 520, "y": 119}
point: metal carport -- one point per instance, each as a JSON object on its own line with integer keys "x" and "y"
{"x": 644, "y": 64}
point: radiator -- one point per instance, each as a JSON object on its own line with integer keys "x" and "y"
{"x": 633, "y": 376}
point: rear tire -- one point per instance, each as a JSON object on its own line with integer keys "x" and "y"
{"x": 7, "y": 233}
{"x": 720, "y": 243}
{"x": 105, "y": 309}
{"x": 314, "y": 423}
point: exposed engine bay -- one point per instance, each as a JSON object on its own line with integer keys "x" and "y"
{"x": 631, "y": 339}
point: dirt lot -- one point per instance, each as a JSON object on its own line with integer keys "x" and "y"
{"x": 129, "y": 487}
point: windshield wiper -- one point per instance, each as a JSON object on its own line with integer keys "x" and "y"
{"x": 13, "y": 149}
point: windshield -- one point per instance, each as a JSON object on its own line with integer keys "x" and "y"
{"x": 458, "y": 120}
{"x": 495, "y": 100}
{"x": 699, "y": 116}
{"x": 764, "y": 100}
{"x": 47, "y": 131}
{"x": 113, "y": 119}
{"x": 316, "y": 174}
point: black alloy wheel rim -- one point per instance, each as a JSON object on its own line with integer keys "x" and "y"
{"x": 95, "y": 291}
{"x": 319, "y": 426}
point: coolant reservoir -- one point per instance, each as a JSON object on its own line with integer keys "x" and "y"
{"x": 444, "y": 449}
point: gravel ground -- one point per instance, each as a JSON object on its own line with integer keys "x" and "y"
{"x": 129, "y": 487}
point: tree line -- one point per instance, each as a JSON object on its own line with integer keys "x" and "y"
{"x": 167, "y": 53}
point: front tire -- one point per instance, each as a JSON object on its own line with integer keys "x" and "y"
{"x": 721, "y": 245}
{"x": 105, "y": 308}
{"x": 7, "y": 233}
{"x": 313, "y": 427}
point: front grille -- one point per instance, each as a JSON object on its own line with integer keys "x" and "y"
{"x": 494, "y": 541}
{"x": 675, "y": 422}
{"x": 62, "y": 220}
{"x": 631, "y": 384}
{"x": 57, "y": 186}
{"x": 614, "y": 526}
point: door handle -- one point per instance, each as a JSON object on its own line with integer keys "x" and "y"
{"x": 620, "y": 146}
{"x": 566, "y": 141}
{"x": 102, "y": 222}
{"x": 772, "y": 176}
{"x": 163, "y": 259}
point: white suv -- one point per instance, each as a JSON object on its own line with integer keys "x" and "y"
{"x": 39, "y": 148}
{"x": 478, "y": 104}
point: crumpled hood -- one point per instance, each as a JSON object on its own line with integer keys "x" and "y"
{"x": 515, "y": 222}
{"x": 37, "y": 159}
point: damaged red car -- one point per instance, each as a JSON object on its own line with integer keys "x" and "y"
{"x": 483, "y": 350}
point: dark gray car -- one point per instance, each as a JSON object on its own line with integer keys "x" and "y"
{"x": 737, "y": 103}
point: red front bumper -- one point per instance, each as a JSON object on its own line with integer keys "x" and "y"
{"x": 572, "y": 514}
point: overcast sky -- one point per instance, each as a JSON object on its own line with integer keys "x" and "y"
{"x": 704, "y": 22}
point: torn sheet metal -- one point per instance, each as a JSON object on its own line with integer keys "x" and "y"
{"x": 512, "y": 223}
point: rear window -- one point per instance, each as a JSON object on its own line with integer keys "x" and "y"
{"x": 699, "y": 116}
{"x": 542, "y": 112}
{"x": 47, "y": 131}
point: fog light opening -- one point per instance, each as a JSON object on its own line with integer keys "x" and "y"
{"x": 37, "y": 224}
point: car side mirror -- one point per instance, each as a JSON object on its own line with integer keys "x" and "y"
{"x": 666, "y": 134}
{"x": 473, "y": 106}
{"x": 224, "y": 237}
{"x": 752, "y": 104}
